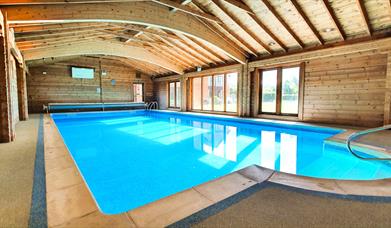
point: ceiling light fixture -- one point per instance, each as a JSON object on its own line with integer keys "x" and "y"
{"x": 271, "y": 43}
{"x": 328, "y": 29}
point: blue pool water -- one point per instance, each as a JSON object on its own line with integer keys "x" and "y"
{"x": 132, "y": 158}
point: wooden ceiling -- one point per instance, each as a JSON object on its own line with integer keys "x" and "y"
{"x": 162, "y": 37}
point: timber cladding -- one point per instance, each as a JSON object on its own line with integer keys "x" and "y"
{"x": 57, "y": 85}
{"x": 348, "y": 89}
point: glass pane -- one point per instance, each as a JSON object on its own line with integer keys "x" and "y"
{"x": 231, "y": 92}
{"x": 138, "y": 92}
{"x": 269, "y": 90}
{"x": 290, "y": 90}
{"x": 178, "y": 94}
{"x": 218, "y": 95}
{"x": 207, "y": 93}
{"x": 172, "y": 94}
{"x": 196, "y": 102}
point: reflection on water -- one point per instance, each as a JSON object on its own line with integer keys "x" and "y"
{"x": 274, "y": 150}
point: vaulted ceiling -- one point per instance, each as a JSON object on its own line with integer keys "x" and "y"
{"x": 161, "y": 37}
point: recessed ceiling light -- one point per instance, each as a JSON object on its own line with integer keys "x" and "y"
{"x": 328, "y": 29}
{"x": 271, "y": 43}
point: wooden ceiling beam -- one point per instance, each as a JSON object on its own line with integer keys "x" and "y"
{"x": 147, "y": 30}
{"x": 186, "y": 9}
{"x": 42, "y": 35}
{"x": 207, "y": 49}
{"x": 334, "y": 19}
{"x": 283, "y": 23}
{"x": 307, "y": 21}
{"x": 173, "y": 45}
{"x": 104, "y": 48}
{"x": 269, "y": 32}
{"x": 60, "y": 38}
{"x": 131, "y": 12}
{"x": 243, "y": 27}
{"x": 131, "y": 38}
{"x": 61, "y": 2}
{"x": 240, "y": 5}
{"x": 215, "y": 29}
{"x": 53, "y": 27}
{"x": 199, "y": 47}
{"x": 170, "y": 51}
{"x": 194, "y": 52}
{"x": 364, "y": 15}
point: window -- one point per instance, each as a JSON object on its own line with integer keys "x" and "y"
{"x": 138, "y": 92}
{"x": 279, "y": 91}
{"x": 207, "y": 93}
{"x": 218, "y": 93}
{"x": 231, "y": 92}
{"x": 196, "y": 99}
{"x": 174, "y": 94}
{"x": 215, "y": 93}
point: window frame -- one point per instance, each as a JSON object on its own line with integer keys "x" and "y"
{"x": 176, "y": 106}
{"x": 213, "y": 92}
{"x": 142, "y": 88}
{"x": 278, "y": 112}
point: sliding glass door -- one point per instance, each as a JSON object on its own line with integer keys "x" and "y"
{"x": 217, "y": 93}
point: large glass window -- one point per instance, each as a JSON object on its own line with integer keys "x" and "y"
{"x": 280, "y": 89}
{"x": 269, "y": 90}
{"x": 207, "y": 85}
{"x": 174, "y": 94}
{"x": 196, "y": 92}
{"x": 290, "y": 90}
{"x": 138, "y": 92}
{"x": 215, "y": 93}
{"x": 231, "y": 92}
{"x": 218, "y": 93}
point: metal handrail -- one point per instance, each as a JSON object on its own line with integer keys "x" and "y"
{"x": 152, "y": 105}
{"x": 360, "y": 133}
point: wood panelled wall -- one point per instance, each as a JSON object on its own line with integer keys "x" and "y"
{"x": 57, "y": 85}
{"x": 348, "y": 89}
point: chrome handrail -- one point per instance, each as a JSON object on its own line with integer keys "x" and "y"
{"x": 360, "y": 133}
{"x": 152, "y": 105}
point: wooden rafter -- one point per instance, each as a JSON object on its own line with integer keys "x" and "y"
{"x": 247, "y": 9}
{"x": 307, "y": 21}
{"x": 131, "y": 38}
{"x": 334, "y": 19}
{"x": 269, "y": 32}
{"x": 147, "y": 30}
{"x": 283, "y": 23}
{"x": 181, "y": 51}
{"x": 207, "y": 49}
{"x": 364, "y": 15}
{"x": 58, "y": 33}
{"x": 240, "y": 5}
{"x": 243, "y": 27}
{"x": 186, "y": 9}
{"x": 199, "y": 47}
{"x": 169, "y": 51}
{"x": 132, "y": 12}
{"x": 215, "y": 29}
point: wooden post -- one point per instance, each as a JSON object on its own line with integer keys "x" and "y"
{"x": 184, "y": 89}
{"x": 244, "y": 91}
{"x": 22, "y": 92}
{"x": 387, "y": 101}
{"x": 7, "y": 132}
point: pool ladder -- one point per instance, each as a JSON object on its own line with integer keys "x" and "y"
{"x": 152, "y": 105}
{"x": 361, "y": 133}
